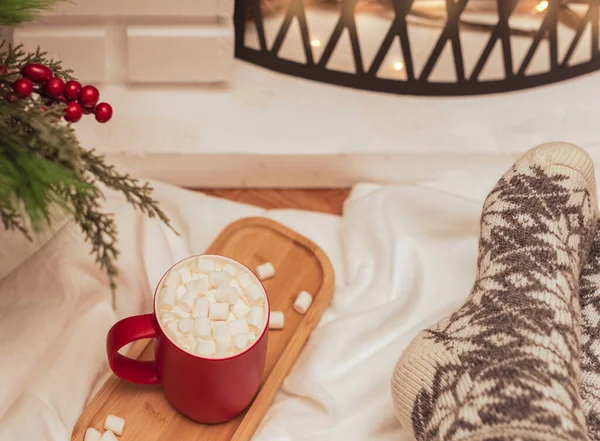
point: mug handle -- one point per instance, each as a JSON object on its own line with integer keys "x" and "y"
{"x": 126, "y": 331}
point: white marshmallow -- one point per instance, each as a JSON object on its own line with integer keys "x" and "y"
{"x": 218, "y": 311}
{"x": 186, "y": 343}
{"x": 173, "y": 279}
{"x": 91, "y": 434}
{"x": 223, "y": 347}
{"x": 186, "y": 276}
{"x": 240, "y": 309}
{"x": 186, "y": 301}
{"x": 251, "y": 337}
{"x": 200, "y": 308}
{"x": 167, "y": 298}
{"x": 226, "y": 294}
{"x": 222, "y": 332}
{"x": 180, "y": 312}
{"x": 231, "y": 269}
{"x": 180, "y": 291}
{"x": 255, "y": 295}
{"x": 108, "y": 436}
{"x": 172, "y": 329}
{"x": 256, "y": 318}
{"x": 185, "y": 325}
{"x": 276, "y": 320}
{"x": 245, "y": 280}
{"x": 231, "y": 317}
{"x": 211, "y": 296}
{"x": 216, "y": 278}
{"x": 205, "y": 347}
{"x": 199, "y": 287}
{"x": 236, "y": 285}
{"x": 202, "y": 327}
{"x": 167, "y": 317}
{"x": 240, "y": 341}
{"x": 265, "y": 271}
{"x": 237, "y": 327}
{"x": 205, "y": 265}
{"x": 303, "y": 302}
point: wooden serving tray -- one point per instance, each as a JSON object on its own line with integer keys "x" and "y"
{"x": 299, "y": 265}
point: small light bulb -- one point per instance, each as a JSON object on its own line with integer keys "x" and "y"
{"x": 398, "y": 66}
{"x": 315, "y": 43}
{"x": 542, "y": 6}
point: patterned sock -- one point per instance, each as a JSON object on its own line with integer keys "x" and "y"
{"x": 589, "y": 294}
{"x": 505, "y": 366}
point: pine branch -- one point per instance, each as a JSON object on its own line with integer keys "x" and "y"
{"x": 43, "y": 167}
{"x": 13, "y": 12}
{"x": 137, "y": 194}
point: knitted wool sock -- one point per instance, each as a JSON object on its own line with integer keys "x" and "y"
{"x": 589, "y": 294}
{"x": 505, "y": 366}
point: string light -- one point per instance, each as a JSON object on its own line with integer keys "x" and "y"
{"x": 398, "y": 66}
{"x": 541, "y": 6}
{"x": 315, "y": 43}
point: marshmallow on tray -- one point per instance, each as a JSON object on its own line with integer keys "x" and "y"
{"x": 265, "y": 271}
{"x": 302, "y": 302}
{"x": 108, "y": 436}
{"x": 115, "y": 424}
{"x": 91, "y": 434}
{"x": 276, "y": 320}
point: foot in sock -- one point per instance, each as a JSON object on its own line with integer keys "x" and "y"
{"x": 505, "y": 366}
{"x": 589, "y": 294}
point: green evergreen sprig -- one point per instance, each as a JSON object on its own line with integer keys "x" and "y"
{"x": 44, "y": 169}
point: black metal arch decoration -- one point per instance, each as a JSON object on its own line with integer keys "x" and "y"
{"x": 366, "y": 79}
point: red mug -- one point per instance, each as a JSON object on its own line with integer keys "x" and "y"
{"x": 206, "y": 390}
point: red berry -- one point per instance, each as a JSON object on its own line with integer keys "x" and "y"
{"x": 103, "y": 112}
{"x": 72, "y": 89}
{"x": 73, "y": 112}
{"x": 54, "y": 87}
{"x": 3, "y": 70}
{"x": 88, "y": 96}
{"x": 23, "y": 87}
{"x": 37, "y": 72}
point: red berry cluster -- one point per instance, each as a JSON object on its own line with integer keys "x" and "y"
{"x": 80, "y": 100}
